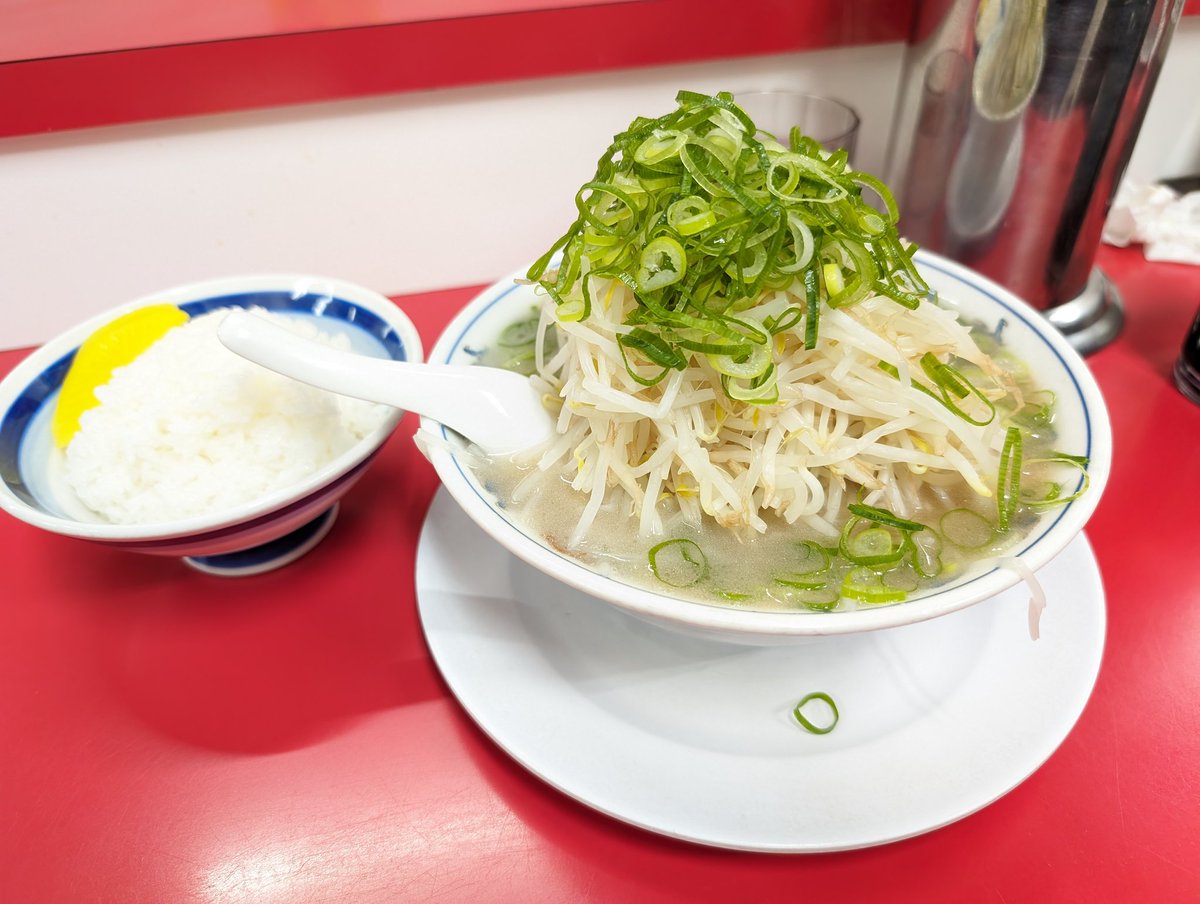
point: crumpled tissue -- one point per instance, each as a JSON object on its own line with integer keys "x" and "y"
{"x": 1165, "y": 223}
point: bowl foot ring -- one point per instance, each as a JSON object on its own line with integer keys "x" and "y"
{"x": 267, "y": 556}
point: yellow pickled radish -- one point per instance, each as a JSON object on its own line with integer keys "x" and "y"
{"x": 114, "y": 345}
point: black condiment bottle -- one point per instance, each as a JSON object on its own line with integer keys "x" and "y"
{"x": 1187, "y": 367}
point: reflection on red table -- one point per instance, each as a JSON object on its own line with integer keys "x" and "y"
{"x": 172, "y": 736}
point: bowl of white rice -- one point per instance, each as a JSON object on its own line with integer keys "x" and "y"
{"x": 193, "y": 451}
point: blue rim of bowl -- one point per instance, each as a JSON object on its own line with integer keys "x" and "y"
{"x": 946, "y": 268}
{"x": 27, "y": 404}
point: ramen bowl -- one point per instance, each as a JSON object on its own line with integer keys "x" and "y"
{"x": 257, "y": 536}
{"x": 1081, "y": 421}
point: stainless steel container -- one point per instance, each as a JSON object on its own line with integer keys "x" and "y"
{"x": 1016, "y": 119}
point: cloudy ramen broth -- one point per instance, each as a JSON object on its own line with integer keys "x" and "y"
{"x": 758, "y": 398}
{"x": 787, "y": 566}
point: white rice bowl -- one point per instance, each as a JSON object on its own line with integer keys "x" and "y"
{"x": 274, "y": 528}
{"x": 189, "y": 428}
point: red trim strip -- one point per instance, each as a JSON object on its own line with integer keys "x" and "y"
{"x": 40, "y": 29}
{"x": 221, "y": 76}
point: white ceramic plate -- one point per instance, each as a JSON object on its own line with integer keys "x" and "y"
{"x": 694, "y": 739}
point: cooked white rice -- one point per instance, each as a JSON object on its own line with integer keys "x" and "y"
{"x": 189, "y": 428}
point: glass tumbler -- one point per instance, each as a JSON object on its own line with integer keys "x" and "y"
{"x": 830, "y": 122}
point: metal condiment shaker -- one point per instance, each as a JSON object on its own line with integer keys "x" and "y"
{"x": 1015, "y": 124}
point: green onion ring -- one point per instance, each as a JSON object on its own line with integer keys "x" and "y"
{"x": 808, "y": 726}
{"x": 689, "y": 552}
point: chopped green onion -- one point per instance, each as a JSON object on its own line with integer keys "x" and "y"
{"x": 614, "y": 217}
{"x": 760, "y": 390}
{"x": 872, "y": 546}
{"x": 927, "y": 554}
{"x": 807, "y": 724}
{"x": 1034, "y": 416}
{"x": 785, "y": 321}
{"x": 698, "y": 215}
{"x": 678, "y": 563}
{"x": 903, "y": 577}
{"x": 950, "y": 377}
{"x": 954, "y": 384}
{"x": 732, "y": 596}
{"x": 690, "y": 215}
{"x": 655, "y": 348}
{"x": 937, "y": 371}
{"x": 885, "y": 194}
{"x": 523, "y": 332}
{"x": 866, "y": 586}
{"x": 1053, "y": 496}
{"x": 1008, "y": 488}
{"x": 522, "y": 363}
{"x": 800, "y": 582}
{"x": 1044, "y": 495}
{"x": 659, "y": 147}
{"x": 834, "y": 282}
{"x": 662, "y": 263}
{"x": 743, "y": 366}
{"x": 645, "y": 381}
{"x": 1081, "y": 460}
{"x": 814, "y": 558}
{"x": 883, "y": 516}
{"x": 824, "y": 599}
{"x": 967, "y": 529}
{"x": 813, "y": 308}
{"x": 570, "y": 311}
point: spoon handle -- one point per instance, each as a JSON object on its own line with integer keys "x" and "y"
{"x": 497, "y": 409}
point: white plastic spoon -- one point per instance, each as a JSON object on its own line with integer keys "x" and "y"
{"x": 498, "y": 410}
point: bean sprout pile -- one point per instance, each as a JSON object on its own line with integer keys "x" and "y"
{"x": 840, "y": 422}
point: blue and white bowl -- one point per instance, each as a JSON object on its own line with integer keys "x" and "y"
{"x": 251, "y": 538}
{"x": 1081, "y": 419}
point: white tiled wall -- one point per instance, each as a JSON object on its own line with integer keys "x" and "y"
{"x": 400, "y": 193}
{"x": 1169, "y": 144}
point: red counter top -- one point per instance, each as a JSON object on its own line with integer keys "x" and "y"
{"x": 170, "y": 736}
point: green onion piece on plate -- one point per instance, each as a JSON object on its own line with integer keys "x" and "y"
{"x": 810, "y": 726}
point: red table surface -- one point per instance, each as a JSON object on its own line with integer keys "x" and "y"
{"x": 170, "y": 736}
